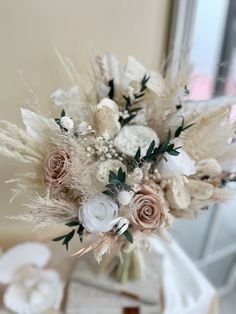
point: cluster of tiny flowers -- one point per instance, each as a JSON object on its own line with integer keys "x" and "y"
{"x": 103, "y": 149}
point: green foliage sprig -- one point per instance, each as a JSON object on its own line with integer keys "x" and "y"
{"x": 128, "y": 107}
{"x": 128, "y": 236}
{"x": 182, "y": 128}
{"x": 69, "y": 236}
{"x": 58, "y": 121}
{"x": 116, "y": 183}
{"x": 112, "y": 89}
{"x": 154, "y": 152}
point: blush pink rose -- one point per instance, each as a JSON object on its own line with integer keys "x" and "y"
{"x": 57, "y": 166}
{"x": 147, "y": 209}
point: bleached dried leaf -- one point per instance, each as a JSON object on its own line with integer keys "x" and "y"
{"x": 29, "y": 253}
{"x": 209, "y": 136}
{"x": 34, "y": 291}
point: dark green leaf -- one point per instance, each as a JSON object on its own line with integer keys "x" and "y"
{"x": 178, "y": 131}
{"x": 63, "y": 113}
{"x": 170, "y": 146}
{"x": 112, "y": 186}
{"x": 137, "y": 155}
{"x": 181, "y": 128}
{"x": 111, "y": 92}
{"x": 135, "y": 110}
{"x": 128, "y": 236}
{"x": 123, "y": 178}
{"x": 68, "y": 238}
{"x": 115, "y": 182}
{"x": 150, "y": 148}
{"x": 109, "y": 193}
{"x": 137, "y": 96}
{"x": 59, "y": 238}
{"x": 112, "y": 175}
{"x": 144, "y": 83}
{"x": 120, "y": 172}
{"x": 188, "y": 126}
{"x": 72, "y": 223}
{"x": 121, "y": 175}
{"x": 125, "y": 121}
{"x": 80, "y": 232}
{"x": 173, "y": 152}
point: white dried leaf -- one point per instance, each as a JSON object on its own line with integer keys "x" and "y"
{"x": 34, "y": 291}
{"x": 20, "y": 255}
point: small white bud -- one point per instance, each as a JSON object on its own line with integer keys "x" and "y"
{"x": 67, "y": 123}
{"x": 124, "y": 197}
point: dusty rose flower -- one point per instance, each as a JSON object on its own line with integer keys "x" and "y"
{"x": 147, "y": 209}
{"x": 57, "y": 167}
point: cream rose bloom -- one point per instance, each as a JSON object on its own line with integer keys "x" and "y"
{"x": 131, "y": 137}
{"x": 97, "y": 213}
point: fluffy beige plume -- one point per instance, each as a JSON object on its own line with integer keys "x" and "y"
{"x": 84, "y": 178}
{"x": 92, "y": 246}
{"x": 228, "y": 155}
{"x": 163, "y": 114}
{"x": 29, "y": 147}
{"x": 49, "y": 210}
{"x": 17, "y": 144}
{"x": 78, "y": 108}
{"x": 220, "y": 195}
{"x": 32, "y": 146}
{"x": 209, "y": 136}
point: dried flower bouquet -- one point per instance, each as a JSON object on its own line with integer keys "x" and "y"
{"x": 119, "y": 162}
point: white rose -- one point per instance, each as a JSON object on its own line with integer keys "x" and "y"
{"x": 97, "y": 213}
{"x": 131, "y": 137}
{"x": 105, "y": 167}
{"x": 176, "y": 165}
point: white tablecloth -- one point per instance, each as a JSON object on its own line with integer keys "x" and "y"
{"x": 185, "y": 290}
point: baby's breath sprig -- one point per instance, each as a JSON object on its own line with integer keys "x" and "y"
{"x": 103, "y": 148}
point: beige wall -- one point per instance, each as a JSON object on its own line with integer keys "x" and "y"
{"x": 30, "y": 28}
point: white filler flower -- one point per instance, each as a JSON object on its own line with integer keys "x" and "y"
{"x": 97, "y": 213}
{"x": 131, "y": 137}
{"x": 176, "y": 165}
